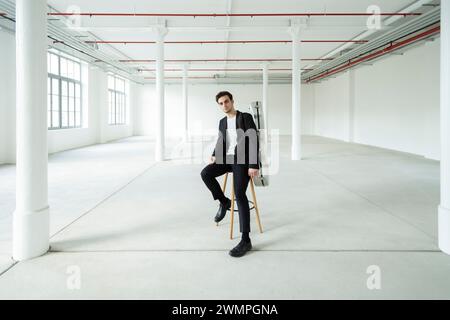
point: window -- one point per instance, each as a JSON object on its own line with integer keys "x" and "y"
{"x": 117, "y": 100}
{"x": 64, "y": 91}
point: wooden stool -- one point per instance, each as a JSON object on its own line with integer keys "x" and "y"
{"x": 254, "y": 203}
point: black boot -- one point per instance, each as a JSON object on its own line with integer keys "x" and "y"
{"x": 222, "y": 210}
{"x": 241, "y": 249}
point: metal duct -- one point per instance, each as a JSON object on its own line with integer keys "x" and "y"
{"x": 71, "y": 44}
{"x": 419, "y": 23}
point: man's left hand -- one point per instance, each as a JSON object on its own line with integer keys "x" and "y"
{"x": 253, "y": 172}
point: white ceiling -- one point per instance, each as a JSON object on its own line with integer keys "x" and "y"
{"x": 270, "y": 28}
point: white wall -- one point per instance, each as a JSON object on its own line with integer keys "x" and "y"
{"x": 396, "y": 103}
{"x": 95, "y": 94}
{"x": 204, "y": 113}
{"x": 331, "y": 108}
{"x": 7, "y": 96}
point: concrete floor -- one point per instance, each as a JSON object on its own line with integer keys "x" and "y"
{"x": 136, "y": 229}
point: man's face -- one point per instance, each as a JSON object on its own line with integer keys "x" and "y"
{"x": 226, "y": 104}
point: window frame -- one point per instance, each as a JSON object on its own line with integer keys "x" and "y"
{"x": 69, "y": 82}
{"x": 117, "y": 101}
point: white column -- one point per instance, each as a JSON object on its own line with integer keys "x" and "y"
{"x": 444, "y": 207}
{"x": 160, "y": 137}
{"x": 351, "y": 106}
{"x": 31, "y": 217}
{"x": 265, "y": 101}
{"x": 296, "y": 151}
{"x": 313, "y": 124}
{"x": 185, "y": 102}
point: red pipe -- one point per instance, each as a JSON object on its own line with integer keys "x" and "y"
{"x": 306, "y": 14}
{"x": 151, "y": 78}
{"x": 164, "y": 70}
{"x": 318, "y": 59}
{"x": 222, "y": 60}
{"x": 207, "y": 60}
{"x": 226, "y": 41}
{"x": 123, "y": 42}
{"x": 256, "y": 69}
{"x": 333, "y": 41}
{"x": 379, "y": 53}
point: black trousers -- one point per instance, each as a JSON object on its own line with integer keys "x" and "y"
{"x": 241, "y": 180}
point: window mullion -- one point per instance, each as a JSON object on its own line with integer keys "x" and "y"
{"x": 60, "y": 93}
{"x": 51, "y": 101}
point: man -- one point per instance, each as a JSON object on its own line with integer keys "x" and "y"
{"x": 237, "y": 151}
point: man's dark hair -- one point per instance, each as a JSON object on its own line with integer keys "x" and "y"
{"x": 223, "y": 93}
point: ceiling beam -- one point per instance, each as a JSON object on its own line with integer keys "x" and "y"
{"x": 217, "y": 15}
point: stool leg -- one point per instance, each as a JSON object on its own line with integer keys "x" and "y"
{"x": 256, "y": 205}
{"x": 232, "y": 207}
{"x": 224, "y": 187}
{"x": 225, "y": 182}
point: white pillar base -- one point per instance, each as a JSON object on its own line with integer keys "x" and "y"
{"x": 444, "y": 229}
{"x": 30, "y": 234}
{"x": 296, "y": 155}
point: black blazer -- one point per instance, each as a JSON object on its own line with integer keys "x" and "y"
{"x": 246, "y": 138}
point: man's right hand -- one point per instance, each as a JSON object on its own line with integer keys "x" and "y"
{"x": 212, "y": 160}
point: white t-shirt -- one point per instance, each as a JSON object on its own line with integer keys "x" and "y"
{"x": 231, "y": 135}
